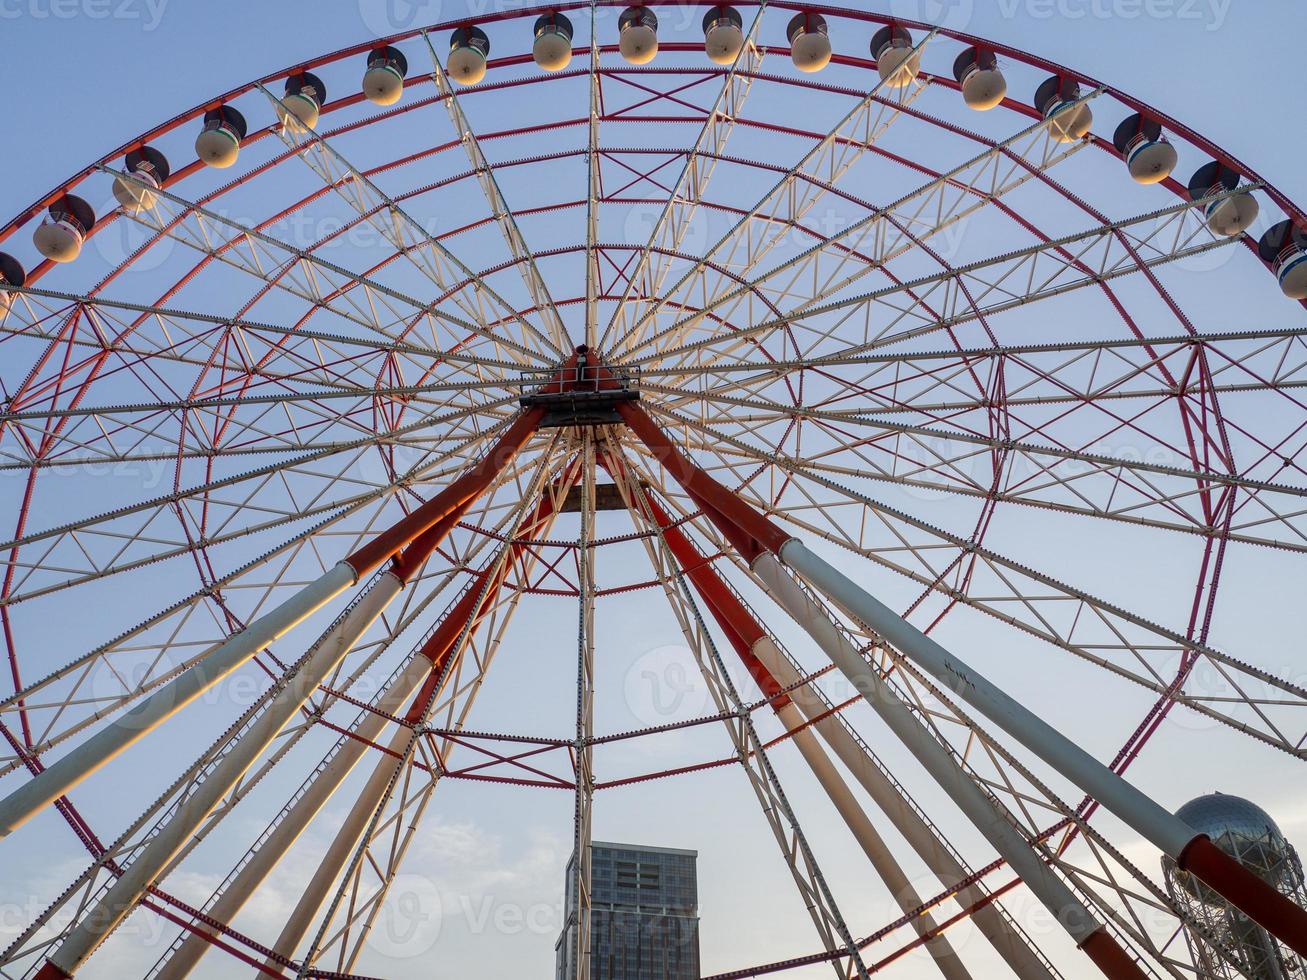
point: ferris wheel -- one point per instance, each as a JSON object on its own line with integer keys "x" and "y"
{"x": 865, "y": 349}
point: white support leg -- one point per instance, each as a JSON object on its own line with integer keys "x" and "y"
{"x": 147, "y": 715}
{"x": 121, "y": 898}
{"x": 333, "y": 862}
{"x": 272, "y": 849}
{"x": 1155, "y": 823}
{"x": 979, "y": 808}
{"x": 872, "y": 844}
{"x": 1016, "y": 952}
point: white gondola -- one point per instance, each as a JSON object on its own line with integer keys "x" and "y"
{"x": 60, "y": 236}
{"x": 383, "y": 82}
{"x": 149, "y": 169}
{"x": 302, "y": 102}
{"x": 552, "y": 49}
{"x": 219, "y": 141}
{"x": 1227, "y": 216}
{"x": 1284, "y": 247}
{"x": 896, "y": 60}
{"x": 12, "y": 273}
{"x": 637, "y": 35}
{"x": 1148, "y": 154}
{"x": 982, "y": 83}
{"x": 469, "y": 47}
{"x": 809, "y": 36}
{"x": 723, "y": 34}
{"x": 1058, "y": 101}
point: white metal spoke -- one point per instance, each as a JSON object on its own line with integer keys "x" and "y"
{"x": 785, "y": 204}
{"x": 675, "y": 219}
{"x": 499, "y": 207}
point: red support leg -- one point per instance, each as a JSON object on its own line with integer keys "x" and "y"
{"x": 754, "y": 535}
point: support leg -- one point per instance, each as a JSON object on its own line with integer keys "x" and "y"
{"x": 758, "y": 540}
{"x": 428, "y": 525}
{"x": 745, "y": 635}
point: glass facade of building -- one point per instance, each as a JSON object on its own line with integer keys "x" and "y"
{"x": 644, "y": 922}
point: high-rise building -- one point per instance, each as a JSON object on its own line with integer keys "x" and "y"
{"x": 644, "y": 915}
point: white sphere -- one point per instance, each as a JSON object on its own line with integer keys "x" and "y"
{"x": 811, "y": 52}
{"x": 898, "y": 66}
{"x": 217, "y": 148}
{"x": 383, "y": 85}
{"x": 1068, "y": 122}
{"x": 552, "y": 51}
{"x": 984, "y": 90}
{"x": 1293, "y": 277}
{"x": 133, "y": 196}
{"x": 638, "y": 44}
{"x": 723, "y": 43}
{"x": 1152, "y": 163}
{"x": 1232, "y": 215}
{"x": 467, "y": 65}
{"x": 58, "y": 241}
{"x": 298, "y": 111}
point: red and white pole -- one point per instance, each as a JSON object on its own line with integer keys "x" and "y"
{"x": 436, "y": 655}
{"x": 746, "y": 635}
{"x": 765, "y": 546}
{"x": 293, "y": 823}
{"x": 151, "y": 712}
{"x": 755, "y": 537}
{"x": 422, "y": 532}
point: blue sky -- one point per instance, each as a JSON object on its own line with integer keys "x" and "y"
{"x": 85, "y": 76}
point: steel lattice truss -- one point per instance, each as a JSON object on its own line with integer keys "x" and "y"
{"x": 970, "y": 365}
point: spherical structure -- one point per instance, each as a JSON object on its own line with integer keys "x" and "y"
{"x": 723, "y": 34}
{"x": 469, "y": 47}
{"x": 983, "y": 85}
{"x": 552, "y": 48}
{"x": 12, "y": 273}
{"x": 383, "y": 81}
{"x": 150, "y": 169}
{"x": 1243, "y": 830}
{"x": 302, "y": 101}
{"x": 637, "y": 35}
{"x": 1246, "y": 833}
{"x": 1284, "y": 248}
{"x": 1057, "y": 99}
{"x": 219, "y": 142}
{"x": 1227, "y": 214}
{"x": 810, "y": 48}
{"x": 1149, "y": 156}
{"x": 59, "y": 237}
{"x": 896, "y": 61}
